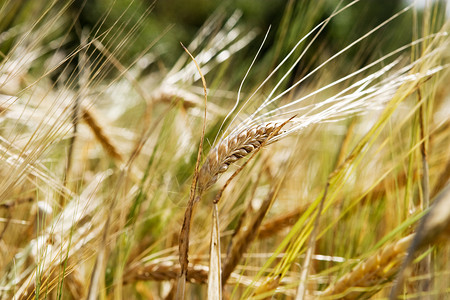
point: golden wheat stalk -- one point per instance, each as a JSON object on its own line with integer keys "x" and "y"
{"x": 186, "y": 227}
{"x": 229, "y": 150}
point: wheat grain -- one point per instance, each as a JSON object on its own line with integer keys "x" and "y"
{"x": 231, "y": 149}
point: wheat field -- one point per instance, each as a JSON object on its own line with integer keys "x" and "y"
{"x": 235, "y": 150}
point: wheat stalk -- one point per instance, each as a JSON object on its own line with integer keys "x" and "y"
{"x": 229, "y": 150}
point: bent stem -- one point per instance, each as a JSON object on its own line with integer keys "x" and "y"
{"x": 193, "y": 198}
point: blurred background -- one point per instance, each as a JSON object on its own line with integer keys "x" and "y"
{"x": 173, "y": 21}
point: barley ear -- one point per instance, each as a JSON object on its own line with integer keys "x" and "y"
{"x": 231, "y": 149}
{"x": 248, "y": 148}
{"x": 371, "y": 272}
{"x": 98, "y": 130}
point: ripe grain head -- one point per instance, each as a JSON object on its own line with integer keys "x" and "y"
{"x": 231, "y": 149}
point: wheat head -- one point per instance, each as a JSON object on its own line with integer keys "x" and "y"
{"x": 232, "y": 148}
{"x": 375, "y": 270}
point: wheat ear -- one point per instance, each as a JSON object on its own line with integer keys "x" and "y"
{"x": 231, "y": 149}
{"x": 106, "y": 141}
{"x": 378, "y": 268}
{"x": 165, "y": 270}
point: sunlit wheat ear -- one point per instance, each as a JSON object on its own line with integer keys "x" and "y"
{"x": 231, "y": 149}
